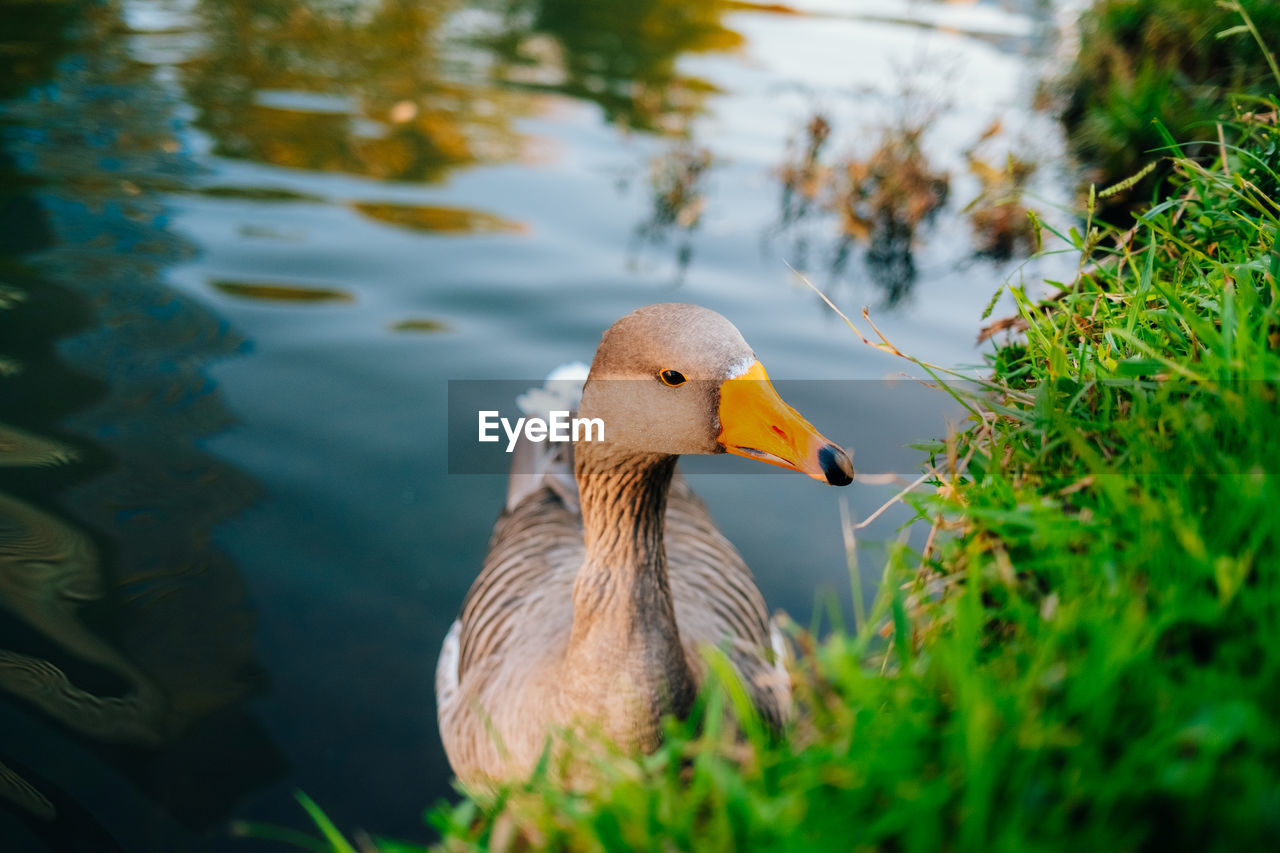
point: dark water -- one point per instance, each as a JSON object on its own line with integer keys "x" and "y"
{"x": 244, "y": 246}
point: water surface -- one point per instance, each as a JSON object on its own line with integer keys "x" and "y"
{"x": 245, "y": 247}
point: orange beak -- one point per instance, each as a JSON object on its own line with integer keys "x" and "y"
{"x": 754, "y": 422}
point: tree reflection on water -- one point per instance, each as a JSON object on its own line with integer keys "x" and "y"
{"x": 343, "y": 87}
{"x": 622, "y": 56}
{"x": 397, "y": 90}
{"x": 619, "y": 54}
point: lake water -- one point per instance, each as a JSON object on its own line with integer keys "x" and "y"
{"x": 245, "y": 246}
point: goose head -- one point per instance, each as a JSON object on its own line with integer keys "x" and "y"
{"x": 672, "y": 379}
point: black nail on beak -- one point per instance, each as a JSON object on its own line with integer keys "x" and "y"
{"x": 836, "y": 465}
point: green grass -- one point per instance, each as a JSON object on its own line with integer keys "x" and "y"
{"x": 1087, "y": 655}
{"x": 1148, "y": 68}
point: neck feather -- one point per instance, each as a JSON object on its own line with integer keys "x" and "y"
{"x": 624, "y": 623}
{"x": 624, "y": 504}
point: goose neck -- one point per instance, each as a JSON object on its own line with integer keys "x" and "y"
{"x": 624, "y": 633}
{"x": 624, "y": 501}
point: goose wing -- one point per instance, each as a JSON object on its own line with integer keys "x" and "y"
{"x": 718, "y": 604}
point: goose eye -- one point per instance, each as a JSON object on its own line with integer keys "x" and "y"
{"x": 672, "y": 377}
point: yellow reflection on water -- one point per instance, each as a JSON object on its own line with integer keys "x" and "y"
{"x": 271, "y": 292}
{"x": 440, "y": 220}
{"x": 421, "y": 325}
{"x": 619, "y": 54}
{"x": 354, "y": 88}
{"x": 396, "y": 90}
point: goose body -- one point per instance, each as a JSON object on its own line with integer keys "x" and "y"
{"x": 594, "y": 603}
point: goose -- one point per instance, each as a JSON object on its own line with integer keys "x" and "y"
{"x": 604, "y": 581}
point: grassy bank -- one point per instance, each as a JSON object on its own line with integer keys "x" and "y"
{"x": 1086, "y": 654}
{"x": 1148, "y": 68}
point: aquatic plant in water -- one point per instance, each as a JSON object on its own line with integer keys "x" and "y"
{"x": 1002, "y": 223}
{"x": 880, "y": 200}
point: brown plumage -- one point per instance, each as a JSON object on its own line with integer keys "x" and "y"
{"x": 595, "y": 611}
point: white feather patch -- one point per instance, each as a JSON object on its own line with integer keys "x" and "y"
{"x": 562, "y": 392}
{"x": 548, "y": 464}
{"x": 740, "y": 367}
{"x": 447, "y": 666}
{"x": 781, "y": 651}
